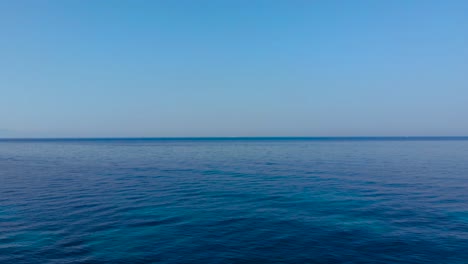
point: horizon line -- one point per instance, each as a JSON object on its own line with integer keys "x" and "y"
{"x": 232, "y": 138}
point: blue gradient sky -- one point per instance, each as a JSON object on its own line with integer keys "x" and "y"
{"x": 233, "y": 68}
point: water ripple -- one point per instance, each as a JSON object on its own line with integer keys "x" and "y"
{"x": 265, "y": 201}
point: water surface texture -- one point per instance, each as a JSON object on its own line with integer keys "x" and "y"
{"x": 326, "y": 200}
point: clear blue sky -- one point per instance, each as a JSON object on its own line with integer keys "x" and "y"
{"x": 233, "y": 68}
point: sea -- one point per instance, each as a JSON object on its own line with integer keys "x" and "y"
{"x": 234, "y": 200}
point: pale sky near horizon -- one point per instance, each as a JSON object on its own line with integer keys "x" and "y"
{"x": 233, "y": 68}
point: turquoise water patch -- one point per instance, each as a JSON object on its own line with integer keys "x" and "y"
{"x": 460, "y": 216}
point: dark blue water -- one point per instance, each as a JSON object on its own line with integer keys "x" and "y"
{"x": 234, "y": 201}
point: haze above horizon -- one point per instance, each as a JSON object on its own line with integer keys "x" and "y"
{"x": 233, "y": 68}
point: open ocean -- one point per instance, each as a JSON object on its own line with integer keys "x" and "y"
{"x": 264, "y": 200}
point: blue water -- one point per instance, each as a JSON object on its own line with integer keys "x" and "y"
{"x": 322, "y": 200}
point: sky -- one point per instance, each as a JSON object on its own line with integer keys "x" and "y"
{"x": 233, "y": 68}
